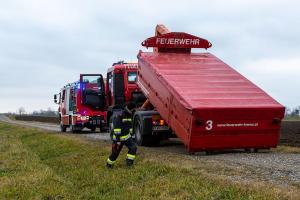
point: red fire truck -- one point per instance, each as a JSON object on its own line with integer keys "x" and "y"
{"x": 82, "y": 104}
{"x": 122, "y": 88}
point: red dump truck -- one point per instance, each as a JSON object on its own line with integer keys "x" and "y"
{"x": 208, "y": 104}
{"x": 82, "y": 104}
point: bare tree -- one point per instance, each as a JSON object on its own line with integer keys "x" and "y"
{"x": 295, "y": 112}
{"x": 49, "y": 112}
{"x": 287, "y": 111}
{"x": 292, "y": 112}
{"x": 21, "y": 110}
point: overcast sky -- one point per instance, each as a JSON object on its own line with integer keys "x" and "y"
{"x": 46, "y": 44}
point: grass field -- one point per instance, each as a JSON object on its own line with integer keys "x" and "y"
{"x": 42, "y": 165}
{"x": 292, "y": 118}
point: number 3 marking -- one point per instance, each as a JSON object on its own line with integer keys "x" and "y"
{"x": 209, "y": 125}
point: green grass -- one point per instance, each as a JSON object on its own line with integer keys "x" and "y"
{"x": 291, "y": 118}
{"x": 287, "y": 149}
{"x": 43, "y": 165}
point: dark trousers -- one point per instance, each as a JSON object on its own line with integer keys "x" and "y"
{"x": 117, "y": 147}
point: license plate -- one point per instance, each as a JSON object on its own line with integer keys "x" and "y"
{"x": 160, "y": 128}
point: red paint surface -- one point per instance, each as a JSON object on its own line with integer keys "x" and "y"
{"x": 176, "y": 40}
{"x": 189, "y": 90}
{"x": 81, "y": 109}
{"x": 129, "y": 88}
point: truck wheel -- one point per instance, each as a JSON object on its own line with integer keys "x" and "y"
{"x": 140, "y": 138}
{"x": 93, "y": 128}
{"x": 74, "y": 129}
{"x": 63, "y": 128}
{"x": 138, "y": 135}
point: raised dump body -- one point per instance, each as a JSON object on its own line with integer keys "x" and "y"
{"x": 208, "y": 104}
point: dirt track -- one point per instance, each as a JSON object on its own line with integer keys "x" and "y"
{"x": 53, "y": 127}
{"x": 281, "y": 169}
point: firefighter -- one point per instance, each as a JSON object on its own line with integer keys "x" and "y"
{"x": 121, "y": 132}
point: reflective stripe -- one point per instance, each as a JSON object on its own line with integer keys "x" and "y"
{"x": 122, "y": 138}
{"x": 110, "y": 161}
{"x": 126, "y": 120}
{"x": 130, "y": 130}
{"x": 130, "y": 156}
{"x": 117, "y": 130}
{"x": 125, "y": 137}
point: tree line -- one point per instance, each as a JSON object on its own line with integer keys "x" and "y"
{"x": 49, "y": 112}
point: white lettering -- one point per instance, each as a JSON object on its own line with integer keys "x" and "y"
{"x": 157, "y": 40}
{"x": 171, "y": 41}
{"x": 238, "y": 125}
{"x": 209, "y": 125}
{"x": 196, "y": 41}
{"x": 187, "y": 41}
{"x": 177, "y": 41}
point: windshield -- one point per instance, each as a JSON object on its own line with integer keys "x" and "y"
{"x": 93, "y": 91}
{"x": 93, "y": 79}
{"x": 131, "y": 76}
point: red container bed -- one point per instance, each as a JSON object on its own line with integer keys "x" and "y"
{"x": 209, "y": 105}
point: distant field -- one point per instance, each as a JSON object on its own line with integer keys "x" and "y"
{"x": 40, "y": 165}
{"x": 290, "y": 133}
{"x": 292, "y": 118}
{"x": 46, "y": 119}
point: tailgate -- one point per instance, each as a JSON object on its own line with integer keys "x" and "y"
{"x": 230, "y": 128}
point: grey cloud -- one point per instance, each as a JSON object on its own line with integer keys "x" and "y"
{"x": 49, "y": 43}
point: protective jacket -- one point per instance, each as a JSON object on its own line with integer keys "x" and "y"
{"x": 122, "y": 126}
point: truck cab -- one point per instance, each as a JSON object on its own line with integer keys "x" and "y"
{"x": 121, "y": 88}
{"x": 82, "y": 104}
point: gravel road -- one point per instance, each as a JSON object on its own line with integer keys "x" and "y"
{"x": 54, "y": 127}
{"x": 278, "y": 168}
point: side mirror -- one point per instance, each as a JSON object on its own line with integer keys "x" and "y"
{"x": 55, "y": 98}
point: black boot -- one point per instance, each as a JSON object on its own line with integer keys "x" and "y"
{"x": 129, "y": 162}
{"x": 109, "y": 166}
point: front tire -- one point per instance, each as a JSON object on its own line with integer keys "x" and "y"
{"x": 75, "y": 129}
{"x": 93, "y": 129}
{"x": 63, "y": 128}
{"x": 139, "y": 139}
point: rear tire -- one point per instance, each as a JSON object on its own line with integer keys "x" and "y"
{"x": 93, "y": 129}
{"x": 142, "y": 139}
{"x": 63, "y": 128}
{"x": 139, "y": 139}
{"x": 74, "y": 129}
